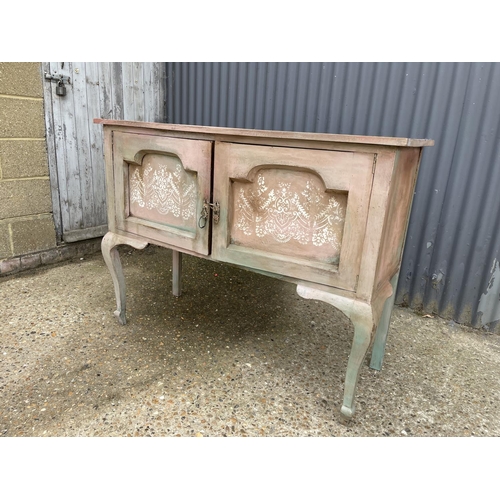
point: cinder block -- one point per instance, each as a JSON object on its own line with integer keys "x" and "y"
{"x": 5, "y": 250}
{"x": 33, "y": 235}
{"x": 21, "y": 78}
{"x": 21, "y": 118}
{"x": 23, "y": 159}
{"x": 24, "y": 197}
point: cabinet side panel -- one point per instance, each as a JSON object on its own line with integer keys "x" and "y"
{"x": 397, "y": 215}
{"x": 378, "y": 209}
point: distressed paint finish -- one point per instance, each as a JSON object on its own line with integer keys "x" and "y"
{"x": 328, "y": 213}
{"x": 112, "y": 260}
{"x": 170, "y": 178}
{"x": 402, "y": 187}
{"x": 94, "y": 90}
{"x": 348, "y": 173}
{"x": 383, "y": 328}
{"x": 162, "y": 190}
{"x": 289, "y": 212}
{"x": 74, "y": 143}
{"x": 55, "y": 187}
{"x": 361, "y": 315}
{"x": 255, "y": 136}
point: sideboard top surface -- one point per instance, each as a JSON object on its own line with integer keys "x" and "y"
{"x": 221, "y": 132}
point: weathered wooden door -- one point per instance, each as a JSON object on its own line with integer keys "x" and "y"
{"x": 127, "y": 91}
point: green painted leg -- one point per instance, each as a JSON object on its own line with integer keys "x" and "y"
{"x": 363, "y": 328}
{"x": 176, "y": 273}
{"x": 360, "y": 313}
{"x": 112, "y": 259}
{"x": 383, "y": 328}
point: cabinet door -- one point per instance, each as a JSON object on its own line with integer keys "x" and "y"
{"x": 296, "y": 212}
{"x": 160, "y": 184}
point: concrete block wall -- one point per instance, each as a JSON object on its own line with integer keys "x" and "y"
{"x": 26, "y": 223}
{"x": 27, "y": 232}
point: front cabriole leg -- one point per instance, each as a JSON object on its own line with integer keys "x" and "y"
{"x": 360, "y": 313}
{"x": 112, "y": 259}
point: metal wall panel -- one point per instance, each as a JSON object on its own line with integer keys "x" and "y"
{"x": 451, "y": 264}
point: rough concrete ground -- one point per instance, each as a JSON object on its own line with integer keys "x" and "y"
{"x": 238, "y": 354}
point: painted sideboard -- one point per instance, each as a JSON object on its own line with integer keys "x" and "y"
{"x": 327, "y": 212}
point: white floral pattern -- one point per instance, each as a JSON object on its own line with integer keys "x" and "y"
{"x": 166, "y": 191}
{"x": 286, "y": 215}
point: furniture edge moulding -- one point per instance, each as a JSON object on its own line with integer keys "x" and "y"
{"x": 215, "y": 134}
{"x": 269, "y": 134}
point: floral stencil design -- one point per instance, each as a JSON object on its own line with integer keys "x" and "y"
{"x": 159, "y": 188}
{"x": 309, "y": 216}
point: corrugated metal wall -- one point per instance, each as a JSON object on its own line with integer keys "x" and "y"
{"x": 451, "y": 264}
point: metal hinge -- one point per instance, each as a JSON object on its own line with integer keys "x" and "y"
{"x": 205, "y": 211}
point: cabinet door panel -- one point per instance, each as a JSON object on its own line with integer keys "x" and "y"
{"x": 160, "y": 185}
{"x": 296, "y": 212}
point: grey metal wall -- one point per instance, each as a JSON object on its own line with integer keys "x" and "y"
{"x": 451, "y": 264}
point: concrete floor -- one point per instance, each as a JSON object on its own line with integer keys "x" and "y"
{"x": 238, "y": 354}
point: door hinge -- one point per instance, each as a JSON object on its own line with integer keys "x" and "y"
{"x": 374, "y": 163}
{"x": 205, "y": 211}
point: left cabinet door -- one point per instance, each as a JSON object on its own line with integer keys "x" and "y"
{"x": 159, "y": 187}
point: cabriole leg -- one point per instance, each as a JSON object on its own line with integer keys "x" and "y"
{"x": 363, "y": 328}
{"x": 360, "y": 313}
{"x": 112, "y": 259}
{"x": 383, "y": 328}
{"x": 176, "y": 273}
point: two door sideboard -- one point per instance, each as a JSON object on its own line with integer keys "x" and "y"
{"x": 326, "y": 212}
